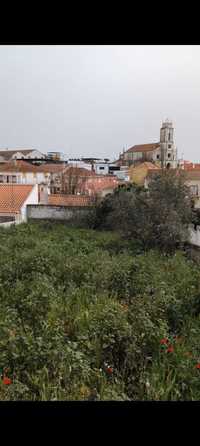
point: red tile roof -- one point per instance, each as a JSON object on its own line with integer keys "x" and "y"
{"x": 18, "y": 166}
{"x": 191, "y": 167}
{"x": 79, "y": 171}
{"x": 101, "y": 182}
{"x": 144, "y": 147}
{"x": 13, "y": 196}
{"x": 51, "y": 168}
{"x": 69, "y": 200}
{"x": 192, "y": 174}
{"x": 24, "y": 166}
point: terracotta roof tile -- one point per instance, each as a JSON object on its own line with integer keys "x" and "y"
{"x": 12, "y": 197}
{"x": 193, "y": 174}
{"x": 51, "y": 168}
{"x": 191, "y": 167}
{"x": 144, "y": 147}
{"x": 69, "y": 200}
{"x": 24, "y": 166}
{"x": 79, "y": 171}
{"x": 18, "y": 166}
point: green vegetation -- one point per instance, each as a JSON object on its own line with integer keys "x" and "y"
{"x": 157, "y": 217}
{"x": 85, "y": 315}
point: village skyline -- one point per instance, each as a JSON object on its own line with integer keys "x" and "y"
{"x": 96, "y": 100}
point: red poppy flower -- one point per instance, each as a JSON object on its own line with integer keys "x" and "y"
{"x": 109, "y": 370}
{"x": 197, "y": 366}
{"x": 7, "y": 381}
{"x": 170, "y": 349}
{"x": 164, "y": 341}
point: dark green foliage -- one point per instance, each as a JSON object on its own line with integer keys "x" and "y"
{"x": 157, "y": 217}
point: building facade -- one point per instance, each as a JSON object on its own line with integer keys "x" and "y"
{"x": 8, "y": 155}
{"x": 162, "y": 153}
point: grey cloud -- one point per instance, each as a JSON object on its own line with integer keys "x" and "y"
{"x": 93, "y": 100}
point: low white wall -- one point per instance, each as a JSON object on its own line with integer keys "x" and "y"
{"x": 49, "y": 212}
{"x": 194, "y": 238}
{"x": 31, "y": 199}
{"x": 7, "y": 224}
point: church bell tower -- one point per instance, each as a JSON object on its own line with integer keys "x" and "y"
{"x": 167, "y": 145}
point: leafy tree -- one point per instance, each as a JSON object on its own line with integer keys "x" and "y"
{"x": 157, "y": 217}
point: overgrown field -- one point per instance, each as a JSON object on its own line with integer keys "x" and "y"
{"x": 84, "y": 316}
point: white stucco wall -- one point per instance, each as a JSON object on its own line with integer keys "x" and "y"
{"x": 50, "y": 212}
{"x": 101, "y": 168}
{"x": 32, "y": 155}
{"x": 194, "y": 238}
{"x": 31, "y": 199}
{"x": 7, "y": 224}
{"x": 27, "y": 177}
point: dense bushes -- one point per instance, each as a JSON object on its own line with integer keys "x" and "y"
{"x": 154, "y": 218}
{"x": 82, "y": 315}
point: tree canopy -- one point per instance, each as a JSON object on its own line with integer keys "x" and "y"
{"x": 157, "y": 216}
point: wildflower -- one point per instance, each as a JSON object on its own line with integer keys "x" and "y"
{"x": 7, "y": 381}
{"x": 170, "y": 349}
{"x": 164, "y": 341}
{"x": 109, "y": 370}
{"x": 197, "y": 366}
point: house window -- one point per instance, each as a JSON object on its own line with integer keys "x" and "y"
{"x": 14, "y": 179}
{"x": 101, "y": 168}
{"x": 169, "y": 155}
{"x": 169, "y": 136}
{"x": 157, "y": 156}
{"x": 194, "y": 189}
{"x": 169, "y": 146}
{"x": 1, "y": 178}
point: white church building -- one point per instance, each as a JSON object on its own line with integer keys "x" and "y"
{"x": 163, "y": 153}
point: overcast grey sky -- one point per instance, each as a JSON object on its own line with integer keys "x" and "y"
{"x": 93, "y": 100}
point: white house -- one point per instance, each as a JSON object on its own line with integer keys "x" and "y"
{"x": 8, "y": 155}
{"x": 14, "y": 199}
{"x": 22, "y": 172}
